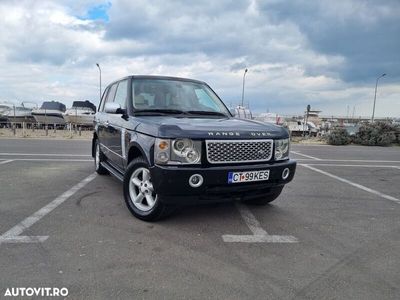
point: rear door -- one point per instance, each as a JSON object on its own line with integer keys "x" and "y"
{"x": 100, "y": 118}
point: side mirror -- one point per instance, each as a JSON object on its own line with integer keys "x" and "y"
{"x": 233, "y": 111}
{"x": 112, "y": 108}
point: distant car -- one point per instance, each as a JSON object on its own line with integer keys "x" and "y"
{"x": 172, "y": 141}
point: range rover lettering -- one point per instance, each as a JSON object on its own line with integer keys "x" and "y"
{"x": 172, "y": 141}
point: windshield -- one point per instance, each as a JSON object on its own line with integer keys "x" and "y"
{"x": 175, "y": 96}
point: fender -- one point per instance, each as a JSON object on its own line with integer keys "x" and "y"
{"x": 143, "y": 143}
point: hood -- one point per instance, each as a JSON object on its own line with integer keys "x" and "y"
{"x": 208, "y": 128}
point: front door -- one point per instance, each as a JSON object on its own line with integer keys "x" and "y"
{"x": 103, "y": 121}
{"x": 116, "y": 128}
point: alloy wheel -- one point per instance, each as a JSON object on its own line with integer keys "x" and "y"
{"x": 141, "y": 190}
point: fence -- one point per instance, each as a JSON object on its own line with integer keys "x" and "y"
{"x": 25, "y": 129}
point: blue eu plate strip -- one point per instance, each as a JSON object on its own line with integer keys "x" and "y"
{"x": 230, "y": 177}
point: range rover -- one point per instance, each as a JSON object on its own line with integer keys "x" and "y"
{"x": 172, "y": 141}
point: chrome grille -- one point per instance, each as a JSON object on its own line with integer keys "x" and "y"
{"x": 238, "y": 151}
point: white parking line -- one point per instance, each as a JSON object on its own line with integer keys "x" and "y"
{"x": 352, "y": 160}
{"x": 5, "y": 162}
{"x": 361, "y": 187}
{"x": 259, "y": 235}
{"x": 43, "y": 154}
{"x": 304, "y": 155}
{"x": 50, "y": 159}
{"x": 13, "y": 235}
{"x": 363, "y": 166}
{"x": 23, "y": 239}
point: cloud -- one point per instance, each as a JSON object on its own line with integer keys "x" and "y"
{"x": 327, "y": 54}
{"x": 364, "y": 33}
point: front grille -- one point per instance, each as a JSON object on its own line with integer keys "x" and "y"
{"x": 238, "y": 151}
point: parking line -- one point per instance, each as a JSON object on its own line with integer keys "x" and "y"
{"x": 13, "y": 235}
{"x": 43, "y": 154}
{"x": 23, "y": 239}
{"x": 259, "y": 235}
{"x": 308, "y": 156}
{"x": 353, "y": 160}
{"x": 50, "y": 159}
{"x": 361, "y": 187}
{"x": 364, "y": 166}
{"x": 5, "y": 162}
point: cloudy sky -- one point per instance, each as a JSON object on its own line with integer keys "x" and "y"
{"x": 324, "y": 53}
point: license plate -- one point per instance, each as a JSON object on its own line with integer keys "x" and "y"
{"x": 249, "y": 176}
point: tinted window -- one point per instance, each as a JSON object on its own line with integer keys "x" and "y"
{"x": 120, "y": 96}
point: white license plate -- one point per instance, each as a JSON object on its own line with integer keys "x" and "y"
{"x": 249, "y": 176}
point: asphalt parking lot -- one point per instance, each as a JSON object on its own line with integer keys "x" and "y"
{"x": 334, "y": 233}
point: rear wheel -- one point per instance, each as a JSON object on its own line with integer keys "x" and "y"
{"x": 265, "y": 199}
{"x": 140, "y": 197}
{"x": 98, "y": 158}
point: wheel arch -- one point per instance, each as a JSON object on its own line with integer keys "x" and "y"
{"x": 135, "y": 151}
{"x": 95, "y": 137}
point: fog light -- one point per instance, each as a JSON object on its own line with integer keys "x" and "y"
{"x": 195, "y": 180}
{"x": 285, "y": 173}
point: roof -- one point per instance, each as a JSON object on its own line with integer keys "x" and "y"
{"x": 159, "y": 77}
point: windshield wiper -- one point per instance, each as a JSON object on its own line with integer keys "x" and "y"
{"x": 160, "y": 111}
{"x": 206, "y": 113}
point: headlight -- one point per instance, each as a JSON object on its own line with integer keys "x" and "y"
{"x": 179, "y": 151}
{"x": 281, "y": 149}
{"x": 181, "y": 145}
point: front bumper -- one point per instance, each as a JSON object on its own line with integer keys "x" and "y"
{"x": 171, "y": 183}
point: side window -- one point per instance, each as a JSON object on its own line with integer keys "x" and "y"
{"x": 120, "y": 96}
{"x": 103, "y": 99}
{"x": 111, "y": 94}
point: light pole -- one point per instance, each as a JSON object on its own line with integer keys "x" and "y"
{"x": 100, "y": 79}
{"x": 244, "y": 75}
{"x": 376, "y": 87}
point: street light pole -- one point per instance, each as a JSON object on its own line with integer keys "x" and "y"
{"x": 244, "y": 75}
{"x": 99, "y": 79}
{"x": 376, "y": 87}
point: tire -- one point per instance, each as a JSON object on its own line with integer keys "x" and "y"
{"x": 265, "y": 199}
{"x": 98, "y": 158}
{"x": 137, "y": 184}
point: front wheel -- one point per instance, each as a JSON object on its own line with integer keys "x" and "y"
{"x": 140, "y": 197}
{"x": 265, "y": 199}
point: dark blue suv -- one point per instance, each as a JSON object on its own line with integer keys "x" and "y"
{"x": 172, "y": 141}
